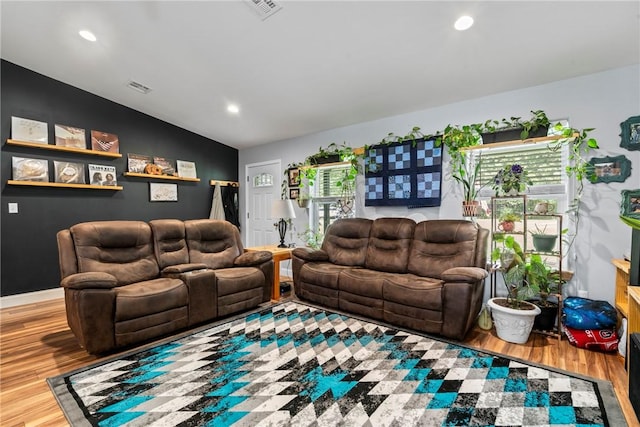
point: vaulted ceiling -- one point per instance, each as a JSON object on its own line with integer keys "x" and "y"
{"x": 313, "y": 65}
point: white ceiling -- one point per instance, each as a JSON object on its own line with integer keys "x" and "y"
{"x": 314, "y": 65}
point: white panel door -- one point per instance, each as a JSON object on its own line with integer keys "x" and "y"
{"x": 263, "y": 187}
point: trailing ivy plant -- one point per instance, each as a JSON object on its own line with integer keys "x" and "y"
{"x": 537, "y": 121}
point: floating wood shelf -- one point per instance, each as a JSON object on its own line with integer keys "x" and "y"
{"x": 168, "y": 177}
{"x": 63, "y": 185}
{"x": 213, "y": 182}
{"x": 61, "y": 148}
{"x": 516, "y": 142}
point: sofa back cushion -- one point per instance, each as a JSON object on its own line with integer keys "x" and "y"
{"x": 121, "y": 248}
{"x": 212, "y": 242}
{"x": 346, "y": 241}
{"x": 389, "y": 244}
{"x": 442, "y": 244}
{"x": 170, "y": 242}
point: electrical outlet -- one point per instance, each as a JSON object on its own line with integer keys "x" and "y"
{"x": 13, "y": 208}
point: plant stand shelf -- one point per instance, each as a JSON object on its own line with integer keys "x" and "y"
{"x": 523, "y": 235}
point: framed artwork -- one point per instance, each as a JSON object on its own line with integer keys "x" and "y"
{"x": 26, "y": 169}
{"x": 102, "y": 175}
{"x": 29, "y": 130}
{"x": 630, "y": 135}
{"x": 630, "y": 206}
{"x": 186, "y": 169}
{"x": 68, "y": 136}
{"x": 609, "y": 169}
{"x": 103, "y": 141}
{"x": 163, "y": 192}
{"x": 294, "y": 193}
{"x": 293, "y": 175}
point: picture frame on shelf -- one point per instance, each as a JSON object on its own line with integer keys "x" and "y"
{"x": 27, "y": 169}
{"x": 102, "y": 175}
{"x": 159, "y": 192}
{"x": 168, "y": 166}
{"x": 186, "y": 169}
{"x": 103, "y": 141}
{"x": 68, "y": 172}
{"x": 294, "y": 193}
{"x": 29, "y": 130}
{"x": 69, "y": 136}
{"x": 630, "y": 206}
{"x": 610, "y": 169}
{"x": 630, "y": 135}
{"x": 293, "y": 177}
{"x": 138, "y": 162}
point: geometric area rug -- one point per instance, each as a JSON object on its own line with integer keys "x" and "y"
{"x": 292, "y": 364}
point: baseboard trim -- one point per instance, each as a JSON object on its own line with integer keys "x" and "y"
{"x": 31, "y": 297}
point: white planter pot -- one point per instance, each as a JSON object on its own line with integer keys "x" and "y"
{"x": 513, "y": 325}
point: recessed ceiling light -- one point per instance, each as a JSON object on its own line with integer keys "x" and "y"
{"x": 233, "y": 109}
{"x": 87, "y": 35}
{"x": 463, "y": 23}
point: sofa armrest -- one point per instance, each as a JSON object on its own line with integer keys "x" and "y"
{"x": 183, "y": 268}
{"x": 464, "y": 274}
{"x": 308, "y": 254}
{"x": 253, "y": 258}
{"x": 89, "y": 280}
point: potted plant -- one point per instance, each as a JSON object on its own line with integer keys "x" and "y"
{"x": 493, "y": 131}
{"x": 511, "y": 180}
{"x": 312, "y": 238}
{"x": 542, "y": 241}
{"x": 507, "y": 220}
{"x": 456, "y": 138}
{"x": 468, "y": 175}
{"x": 513, "y": 315}
{"x": 546, "y": 281}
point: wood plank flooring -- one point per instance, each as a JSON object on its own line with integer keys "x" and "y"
{"x": 36, "y": 343}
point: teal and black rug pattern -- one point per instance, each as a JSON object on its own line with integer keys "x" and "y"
{"x": 298, "y": 365}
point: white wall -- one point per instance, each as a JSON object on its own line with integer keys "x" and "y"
{"x": 601, "y": 101}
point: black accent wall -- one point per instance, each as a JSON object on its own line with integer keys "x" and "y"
{"x": 29, "y": 251}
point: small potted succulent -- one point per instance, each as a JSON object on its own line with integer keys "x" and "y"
{"x": 542, "y": 241}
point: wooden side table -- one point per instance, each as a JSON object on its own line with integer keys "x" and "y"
{"x": 279, "y": 254}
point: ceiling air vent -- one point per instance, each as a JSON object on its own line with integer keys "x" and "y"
{"x": 264, "y": 8}
{"x": 139, "y": 87}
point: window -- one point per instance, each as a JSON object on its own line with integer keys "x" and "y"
{"x": 545, "y": 167}
{"x": 330, "y": 200}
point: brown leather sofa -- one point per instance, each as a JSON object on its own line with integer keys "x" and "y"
{"x": 427, "y": 276}
{"x": 126, "y": 282}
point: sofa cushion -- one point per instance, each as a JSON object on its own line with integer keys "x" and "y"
{"x": 212, "y": 242}
{"x": 150, "y": 297}
{"x": 389, "y": 244}
{"x": 346, "y": 241}
{"x": 323, "y": 274}
{"x": 121, "y": 248}
{"x": 441, "y": 245}
{"x": 233, "y": 280}
{"x": 362, "y": 281}
{"x": 414, "y": 291}
{"x": 170, "y": 242}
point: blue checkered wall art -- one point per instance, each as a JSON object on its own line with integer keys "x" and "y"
{"x": 404, "y": 174}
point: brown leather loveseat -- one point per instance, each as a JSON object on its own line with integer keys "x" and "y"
{"x": 126, "y": 282}
{"x": 427, "y": 276}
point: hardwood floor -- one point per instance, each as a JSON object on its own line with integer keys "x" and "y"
{"x": 36, "y": 343}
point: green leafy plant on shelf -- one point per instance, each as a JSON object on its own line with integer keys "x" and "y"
{"x": 542, "y": 280}
{"x": 538, "y": 120}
